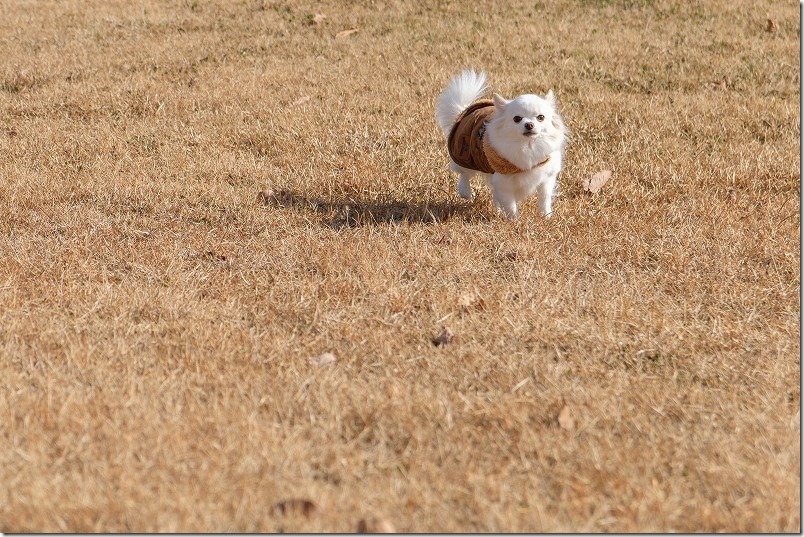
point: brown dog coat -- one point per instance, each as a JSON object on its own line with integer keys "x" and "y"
{"x": 469, "y": 147}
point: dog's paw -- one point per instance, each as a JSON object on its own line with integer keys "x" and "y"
{"x": 546, "y": 208}
{"x": 510, "y": 212}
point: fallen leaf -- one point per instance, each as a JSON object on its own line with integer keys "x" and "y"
{"x": 470, "y": 300}
{"x": 771, "y": 28}
{"x": 209, "y": 254}
{"x": 301, "y": 100}
{"x": 295, "y": 506}
{"x": 318, "y": 18}
{"x": 594, "y": 183}
{"x": 565, "y": 419}
{"x": 444, "y": 337}
{"x": 732, "y": 194}
{"x": 274, "y": 197}
{"x": 265, "y": 196}
{"x": 323, "y": 359}
{"x": 374, "y": 525}
{"x": 346, "y": 33}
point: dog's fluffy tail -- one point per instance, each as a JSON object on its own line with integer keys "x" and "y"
{"x": 464, "y": 89}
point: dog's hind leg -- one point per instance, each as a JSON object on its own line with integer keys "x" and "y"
{"x": 464, "y": 185}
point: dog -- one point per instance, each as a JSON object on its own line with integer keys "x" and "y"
{"x": 517, "y": 145}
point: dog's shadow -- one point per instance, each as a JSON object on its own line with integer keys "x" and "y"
{"x": 352, "y": 213}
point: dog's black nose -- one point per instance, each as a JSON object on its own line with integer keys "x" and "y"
{"x": 529, "y": 126}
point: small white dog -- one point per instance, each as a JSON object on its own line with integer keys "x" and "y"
{"x": 516, "y": 145}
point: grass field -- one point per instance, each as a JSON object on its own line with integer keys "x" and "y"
{"x": 631, "y": 364}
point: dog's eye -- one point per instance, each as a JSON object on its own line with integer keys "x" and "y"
{"x": 517, "y": 119}
{"x": 540, "y": 117}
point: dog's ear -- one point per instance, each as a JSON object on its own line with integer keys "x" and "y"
{"x": 499, "y": 101}
{"x": 550, "y": 97}
{"x": 558, "y": 124}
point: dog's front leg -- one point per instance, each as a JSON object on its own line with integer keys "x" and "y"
{"x": 504, "y": 196}
{"x": 545, "y": 192}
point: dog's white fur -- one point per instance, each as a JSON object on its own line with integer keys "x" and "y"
{"x": 522, "y": 146}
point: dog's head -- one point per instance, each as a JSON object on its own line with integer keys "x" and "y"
{"x": 528, "y": 119}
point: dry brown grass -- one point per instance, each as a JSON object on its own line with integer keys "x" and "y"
{"x": 156, "y": 320}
